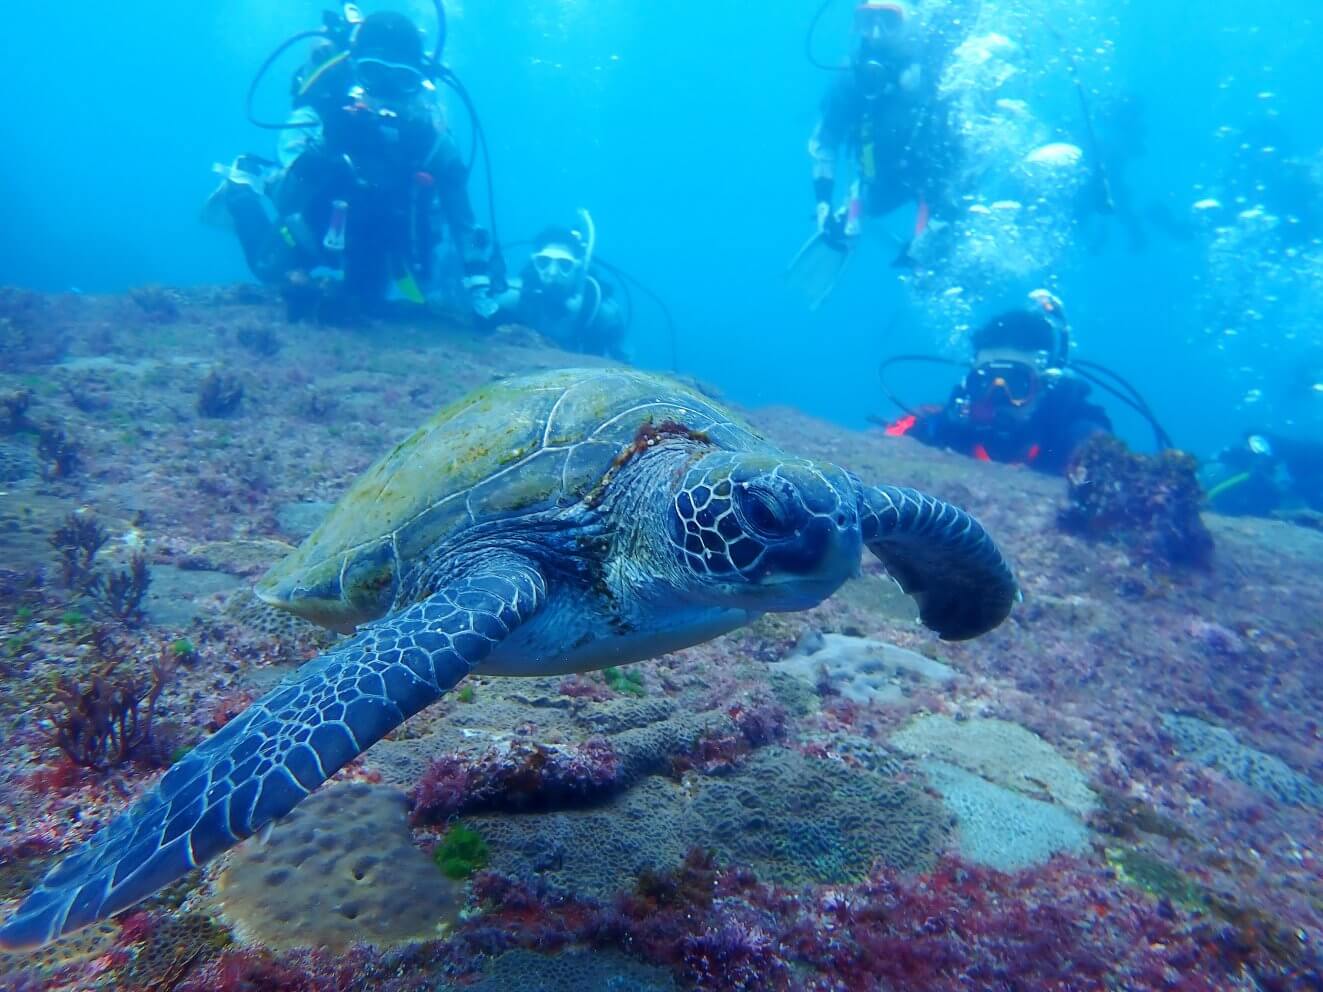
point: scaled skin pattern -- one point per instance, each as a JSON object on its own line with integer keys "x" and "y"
{"x": 264, "y": 762}
{"x": 565, "y": 521}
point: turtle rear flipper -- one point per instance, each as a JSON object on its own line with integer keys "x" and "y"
{"x": 266, "y": 760}
{"x": 942, "y": 557}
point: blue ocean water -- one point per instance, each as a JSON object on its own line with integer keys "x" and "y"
{"x": 683, "y": 127}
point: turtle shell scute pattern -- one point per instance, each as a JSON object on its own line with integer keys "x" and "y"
{"x": 522, "y": 446}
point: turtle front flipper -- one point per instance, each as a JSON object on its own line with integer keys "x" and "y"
{"x": 266, "y": 760}
{"x": 942, "y": 557}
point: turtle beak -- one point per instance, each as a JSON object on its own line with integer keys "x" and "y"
{"x": 274, "y": 591}
{"x": 283, "y": 588}
{"x": 837, "y": 549}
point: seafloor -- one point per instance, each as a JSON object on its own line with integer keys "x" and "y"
{"x": 1121, "y": 788}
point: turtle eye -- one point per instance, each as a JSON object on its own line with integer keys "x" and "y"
{"x": 765, "y": 512}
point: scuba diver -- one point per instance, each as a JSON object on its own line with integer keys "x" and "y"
{"x": 560, "y": 295}
{"x": 1019, "y": 403}
{"x": 1264, "y": 473}
{"x": 1106, "y": 195}
{"x": 886, "y": 112}
{"x": 367, "y": 167}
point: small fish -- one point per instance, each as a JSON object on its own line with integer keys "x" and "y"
{"x": 1208, "y": 203}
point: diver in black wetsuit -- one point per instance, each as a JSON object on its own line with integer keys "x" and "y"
{"x": 367, "y": 167}
{"x": 1019, "y": 403}
{"x": 561, "y": 295}
{"x": 887, "y": 113}
{"x": 1266, "y": 472}
{"x": 1122, "y": 139}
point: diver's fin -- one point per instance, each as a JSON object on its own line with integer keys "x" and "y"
{"x": 816, "y": 267}
{"x": 407, "y": 286}
{"x": 904, "y": 255}
{"x": 215, "y": 211}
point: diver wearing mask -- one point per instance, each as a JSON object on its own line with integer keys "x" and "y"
{"x": 885, "y": 112}
{"x": 366, "y": 167}
{"x": 1265, "y": 473}
{"x": 1019, "y": 403}
{"x": 561, "y": 296}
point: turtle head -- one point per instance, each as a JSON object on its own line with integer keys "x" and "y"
{"x": 763, "y": 533}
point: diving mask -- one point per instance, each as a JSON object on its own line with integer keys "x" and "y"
{"x": 387, "y": 79}
{"x": 1017, "y": 382}
{"x": 876, "y": 21}
{"x": 555, "y": 265}
{"x": 886, "y": 49}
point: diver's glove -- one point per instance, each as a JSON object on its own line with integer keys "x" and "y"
{"x": 480, "y": 263}
{"x": 479, "y": 288}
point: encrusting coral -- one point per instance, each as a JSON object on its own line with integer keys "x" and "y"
{"x": 340, "y": 869}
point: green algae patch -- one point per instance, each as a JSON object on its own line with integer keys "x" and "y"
{"x": 1158, "y": 879}
{"x": 626, "y": 681}
{"x": 462, "y": 852}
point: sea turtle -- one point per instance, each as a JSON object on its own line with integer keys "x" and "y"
{"x": 559, "y": 522}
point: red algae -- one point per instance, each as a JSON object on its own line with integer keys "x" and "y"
{"x": 1107, "y": 642}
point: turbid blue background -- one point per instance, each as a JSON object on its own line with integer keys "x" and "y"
{"x": 683, "y": 126}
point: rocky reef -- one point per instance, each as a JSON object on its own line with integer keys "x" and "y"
{"x": 1117, "y": 789}
{"x": 1148, "y": 502}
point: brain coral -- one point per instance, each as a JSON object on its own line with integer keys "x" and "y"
{"x": 789, "y": 818}
{"x": 1002, "y": 828}
{"x": 995, "y": 776}
{"x": 642, "y": 734}
{"x": 1217, "y": 747}
{"x": 1001, "y": 752}
{"x": 594, "y": 851}
{"x": 341, "y": 868}
{"x": 571, "y": 971}
{"x": 794, "y": 819}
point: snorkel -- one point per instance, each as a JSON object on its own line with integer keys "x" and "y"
{"x": 589, "y": 241}
{"x": 588, "y": 238}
